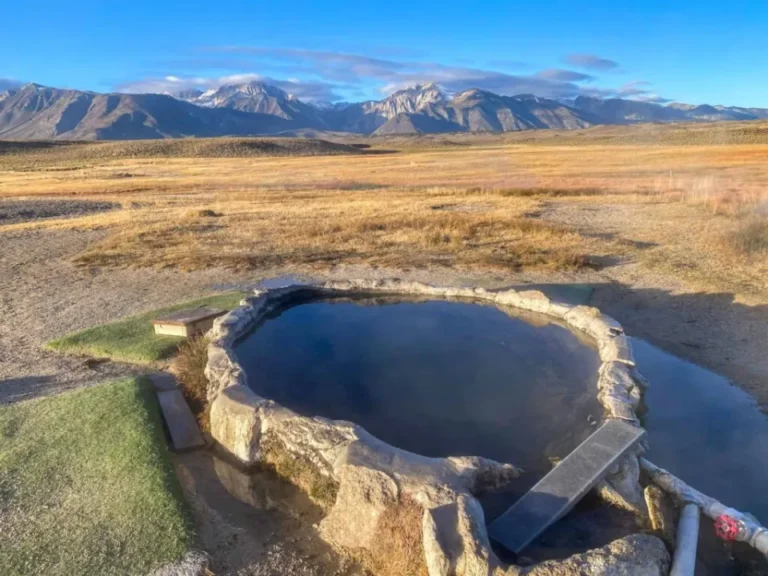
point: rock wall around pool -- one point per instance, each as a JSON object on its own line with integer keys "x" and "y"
{"x": 367, "y": 485}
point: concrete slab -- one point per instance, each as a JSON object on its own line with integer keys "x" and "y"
{"x": 555, "y": 494}
{"x": 185, "y": 433}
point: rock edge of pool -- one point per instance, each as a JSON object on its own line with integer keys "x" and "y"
{"x": 364, "y": 484}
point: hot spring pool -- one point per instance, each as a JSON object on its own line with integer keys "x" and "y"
{"x": 438, "y": 378}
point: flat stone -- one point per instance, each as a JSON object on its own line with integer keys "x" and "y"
{"x": 555, "y": 494}
{"x": 185, "y": 433}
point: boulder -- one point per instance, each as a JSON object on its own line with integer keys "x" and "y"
{"x": 235, "y": 423}
{"x": 636, "y": 555}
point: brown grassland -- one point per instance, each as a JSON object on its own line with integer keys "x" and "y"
{"x": 552, "y": 201}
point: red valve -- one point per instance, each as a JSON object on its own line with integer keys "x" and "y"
{"x": 727, "y": 528}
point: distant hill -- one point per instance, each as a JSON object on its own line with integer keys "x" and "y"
{"x": 35, "y": 112}
{"x": 618, "y": 111}
{"x": 26, "y": 154}
{"x": 38, "y": 112}
{"x": 259, "y": 98}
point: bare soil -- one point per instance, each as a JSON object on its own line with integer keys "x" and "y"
{"x": 254, "y": 523}
{"x": 44, "y": 296}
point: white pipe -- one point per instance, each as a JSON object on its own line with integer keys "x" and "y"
{"x": 749, "y": 529}
{"x": 684, "y": 562}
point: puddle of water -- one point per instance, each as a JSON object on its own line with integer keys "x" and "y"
{"x": 436, "y": 378}
{"x": 705, "y": 430}
{"x": 282, "y": 282}
{"x": 267, "y": 284}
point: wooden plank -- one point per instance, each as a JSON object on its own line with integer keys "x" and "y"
{"x": 181, "y": 422}
{"x": 189, "y": 316}
{"x": 162, "y": 381}
{"x": 555, "y": 494}
{"x": 171, "y": 330}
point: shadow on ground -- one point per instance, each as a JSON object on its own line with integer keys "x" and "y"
{"x": 712, "y": 330}
{"x": 255, "y": 524}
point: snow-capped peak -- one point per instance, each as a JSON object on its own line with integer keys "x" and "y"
{"x": 408, "y": 100}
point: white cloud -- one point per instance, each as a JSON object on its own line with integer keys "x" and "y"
{"x": 638, "y": 90}
{"x": 8, "y": 83}
{"x": 327, "y": 74}
{"x": 304, "y": 90}
{"x": 564, "y": 75}
{"x": 590, "y": 61}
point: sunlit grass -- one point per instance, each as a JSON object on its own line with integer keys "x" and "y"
{"x": 484, "y": 205}
{"x": 133, "y": 339}
{"x": 87, "y": 486}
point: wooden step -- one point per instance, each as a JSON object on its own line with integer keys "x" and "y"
{"x": 568, "y": 482}
{"x": 185, "y": 433}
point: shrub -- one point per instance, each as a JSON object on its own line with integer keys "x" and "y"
{"x": 189, "y": 368}
{"x": 300, "y": 472}
{"x": 748, "y": 237}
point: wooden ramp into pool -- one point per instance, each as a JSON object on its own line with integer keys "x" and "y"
{"x": 567, "y": 483}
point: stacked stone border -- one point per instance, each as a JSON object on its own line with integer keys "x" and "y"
{"x": 369, "y": 478}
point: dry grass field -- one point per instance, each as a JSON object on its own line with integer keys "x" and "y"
{"x": 666, "y": 228}
{"x": 698, "y": 213}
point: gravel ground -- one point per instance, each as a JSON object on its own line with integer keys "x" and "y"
{"x": 43, "y": 296}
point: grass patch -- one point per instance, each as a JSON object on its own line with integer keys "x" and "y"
{"x": 300, "y": 472}
{"x": 133, "y": 339}
{"x": 548, "y": 192}
{"x": 87, "y": 486}
{"x": 748, "y": 237}
{"x": 398, "y": 547}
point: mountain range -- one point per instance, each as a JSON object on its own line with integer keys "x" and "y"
{"x": 39, "y": 112}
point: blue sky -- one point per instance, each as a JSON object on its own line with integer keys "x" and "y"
{"x": 688, "y": 51}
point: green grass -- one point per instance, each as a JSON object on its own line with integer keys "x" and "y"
{"x": 133, "y": 339}
{"x": 87, "y": 486}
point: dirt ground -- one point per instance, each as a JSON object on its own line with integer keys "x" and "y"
{"x": 271, "y": 535}
{"x": 43, "y": 296}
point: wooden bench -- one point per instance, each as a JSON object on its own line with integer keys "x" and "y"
{"x": 187, "y": 323}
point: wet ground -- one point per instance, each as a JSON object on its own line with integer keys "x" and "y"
{"x": 436, "y": 378}
{"x": 445, "y": 378}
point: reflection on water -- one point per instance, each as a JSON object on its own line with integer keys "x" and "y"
{"x": 447, "y": 378}
{"x": 705, "y": 430}
{"x": 437, "y": 378}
